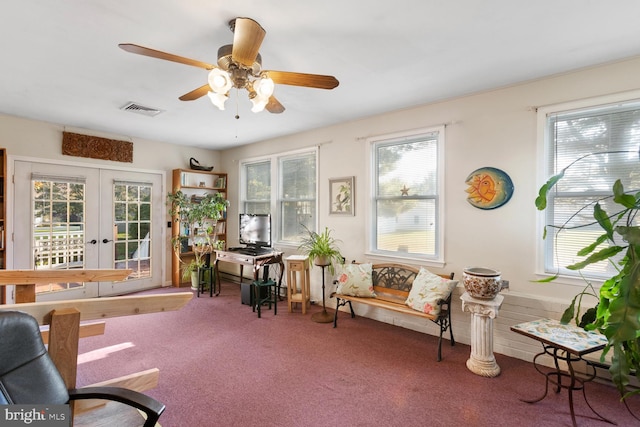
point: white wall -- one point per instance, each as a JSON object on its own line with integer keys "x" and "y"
{"x": 496, "y": 128}
{"x": 40, "y": 140}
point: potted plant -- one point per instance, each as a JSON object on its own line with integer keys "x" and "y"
{"x": 321, "y": 248}
{"x": 196, "y": 218}
{"x": 617, "y": 311}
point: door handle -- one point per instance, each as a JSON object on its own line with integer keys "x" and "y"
{"x": 106, "y": 240}
{"x": 93, "y": 242}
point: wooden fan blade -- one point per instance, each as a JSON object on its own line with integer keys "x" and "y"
{"x": 247, "y": 38}
{"x": 300, "y": 79}
{"x": 141, "y": 50}
{"x": 274, "y": 106}
{"x": 196, "y": 93}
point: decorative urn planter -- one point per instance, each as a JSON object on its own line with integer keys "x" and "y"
{"x": 482, "y": 283}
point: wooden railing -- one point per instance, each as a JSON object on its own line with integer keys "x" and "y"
{"x": 25, "y": 280}
{"x": 64, "y": 317}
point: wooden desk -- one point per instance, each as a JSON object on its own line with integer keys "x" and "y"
{"x": 255, "y": 262}
{"x": 566, "y": 343}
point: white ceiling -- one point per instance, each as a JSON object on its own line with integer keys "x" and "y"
{"x": 60, "y": 60}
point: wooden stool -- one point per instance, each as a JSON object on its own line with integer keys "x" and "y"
{"x": 298, "y": 265}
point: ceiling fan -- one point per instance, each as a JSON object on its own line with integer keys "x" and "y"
{"x": 240, "y": 66}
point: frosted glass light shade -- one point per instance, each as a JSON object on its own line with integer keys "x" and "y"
{"x": 219, "y": 81}
{"x": 259, "y": 103}
{"x": 264, "y": 87}
{"x": 218, "y": 99}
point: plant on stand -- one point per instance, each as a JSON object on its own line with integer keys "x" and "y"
{"x": 196, "y": 218}
{"x": 322, "y": 250}
{"x": 617, "y": 312}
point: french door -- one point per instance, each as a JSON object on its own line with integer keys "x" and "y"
{"x": 68, "y": 217}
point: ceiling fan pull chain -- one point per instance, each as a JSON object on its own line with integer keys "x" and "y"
{"x": 237, "y": 109}
{"x": 237, "y": 113}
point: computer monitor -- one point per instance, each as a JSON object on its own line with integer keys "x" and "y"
{"x": 255, "y": 229}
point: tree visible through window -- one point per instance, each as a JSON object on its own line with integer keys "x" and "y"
{"x": 406, "y": 196}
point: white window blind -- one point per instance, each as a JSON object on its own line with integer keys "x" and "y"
{"x": 283, "y": 185}
{"x": 257, "y": 197}
{"x": 609, "y": 137}
{"x": 406, "y": 199}
{"x": 297, "y": 198}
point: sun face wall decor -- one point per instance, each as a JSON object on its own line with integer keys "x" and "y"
{"x": 489, "y": 188}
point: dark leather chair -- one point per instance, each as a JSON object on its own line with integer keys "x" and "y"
{"x": 29, "y": 376}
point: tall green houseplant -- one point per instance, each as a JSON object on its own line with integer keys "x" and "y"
{"x": 617, "y": 313}
{"x": 321, "y": 248}
{"x": 196, "y": 218}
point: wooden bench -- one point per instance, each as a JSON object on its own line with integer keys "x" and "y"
{"x": 392, "y": 284}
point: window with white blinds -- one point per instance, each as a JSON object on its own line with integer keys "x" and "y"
{"x": 297, "y": 196}
{"x": 292, "y": 201}
{"x": 257, "y": 191}
{"x": 406, "y": 198}
{"x": 606, "y": 139}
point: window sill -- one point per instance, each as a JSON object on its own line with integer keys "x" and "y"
{"x": 406, "y": 260}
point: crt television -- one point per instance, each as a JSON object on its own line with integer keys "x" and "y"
{"x": 255, "y": 229}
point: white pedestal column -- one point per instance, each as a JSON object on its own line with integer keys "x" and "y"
{"x": 482, "y": 362}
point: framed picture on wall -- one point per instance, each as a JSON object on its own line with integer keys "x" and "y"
{"x": 341, "y": 196}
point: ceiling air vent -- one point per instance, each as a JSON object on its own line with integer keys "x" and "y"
{"x": 140, "y": 109}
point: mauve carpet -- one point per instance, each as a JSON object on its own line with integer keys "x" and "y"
{"x": 222, "y": 366}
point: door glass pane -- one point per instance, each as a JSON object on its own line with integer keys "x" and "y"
{"x": 132, "y": 228}
{"x": 58, "y": 229}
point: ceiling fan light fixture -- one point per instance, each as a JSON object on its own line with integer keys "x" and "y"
{"x": 264, "y": 87}
{"x": 219, "y": 81}
{"x": 218, "y": 99}
{"x": 259, "y": 102}
{"x": 240, "y": 66}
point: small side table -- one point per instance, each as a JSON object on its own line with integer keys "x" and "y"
{"x": 298, "y": 274}
{"x": 482, "y": 361}
{"x": 566, "y": 343}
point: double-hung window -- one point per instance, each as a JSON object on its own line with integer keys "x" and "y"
{"x": 406, "y": 203}
{"x": 604, "y": 140}
{"x": 297, "y": 196}
{"x": 292, "y": 202}
{"x": 257, "y": 189}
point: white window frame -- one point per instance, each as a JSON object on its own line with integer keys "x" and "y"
{"x": 437, "y": 260}
{"x": 545, "y": 171}
{"x": 276, "y": 185}
{"x": 243, "y": 181}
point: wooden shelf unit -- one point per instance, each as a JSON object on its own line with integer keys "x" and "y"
{"x": 3, "y": 225}
{"x": 198, "y": 183}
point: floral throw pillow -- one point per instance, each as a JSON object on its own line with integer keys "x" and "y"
{"x": 355, "y": 280}
{"x": 427, "y": 290}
